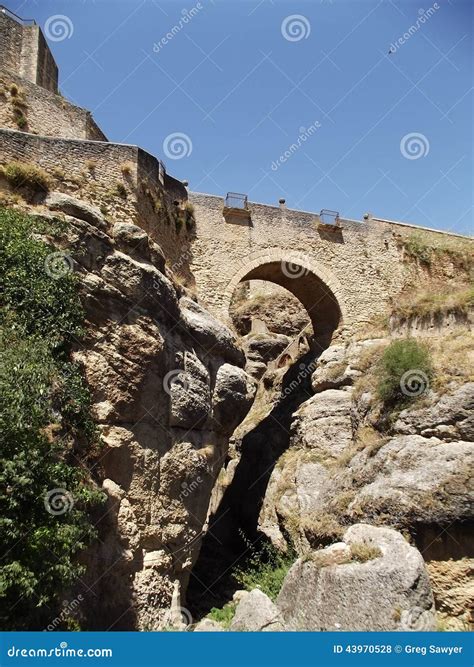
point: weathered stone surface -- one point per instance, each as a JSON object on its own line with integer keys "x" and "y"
{"x": 453, "y": 589}
{"x": 142, "y": 284}
{"x": 416, "y": 479}
{"x": 264, "y": 347}
{"x": 449, "y": 418}
{"x": 208, "y": 625}
{"x": 389, "y": 592}
{"x": 190, "y": 394}
{"x": 233, "y": 395}
{"x": 209, "y": 332}
{"x": 134, "y": 241}
{"x": 256, "y": 613}
{"x": 58, "y": 201}
{"x": 324, "y": 422}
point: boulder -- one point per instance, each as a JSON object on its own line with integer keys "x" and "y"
{"x": 142, "y": 284}
{"x": 412, "y": 478}
{"x": 324, "y": 422}
{"x": 134, "y": 241}
{"x": 264, "y": 347}
{"x": 387, "y": 589}
{"x": 209, "y": 332}
{"x": 189, "y": 390}
{"x": 233, "y": 395}
{"x": 449, "y": 418}
{"x": 208, "y": 625}
{"x": 256, "y": 613}
{"x": 58, "y": 201}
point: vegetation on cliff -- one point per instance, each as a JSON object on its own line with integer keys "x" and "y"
{"x": 45, "y": 488}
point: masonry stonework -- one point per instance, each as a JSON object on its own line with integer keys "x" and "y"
{"x": 25, "y": 51}
{"x": 357, "y": 267}
{"x": 92, "y": 171}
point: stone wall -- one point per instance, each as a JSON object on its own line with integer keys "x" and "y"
{"x": 26, "y": 53}
{"x": 46, "y": 113}
{"x": 360, "y": 263}
{"x": 125, "y": 182}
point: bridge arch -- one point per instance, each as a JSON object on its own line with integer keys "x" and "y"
{"x": 313, "y": 285}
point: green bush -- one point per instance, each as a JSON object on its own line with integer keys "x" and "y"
{"x": 44, "y": 419}
{"x": 223, "y": 616}
{"x": 404, "y": 371}
{"x": 266, "y": 568}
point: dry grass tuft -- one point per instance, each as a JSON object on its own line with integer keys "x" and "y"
{"x": 363, "y": 552}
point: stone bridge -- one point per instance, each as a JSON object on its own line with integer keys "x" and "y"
{"x": 343, "y": 274}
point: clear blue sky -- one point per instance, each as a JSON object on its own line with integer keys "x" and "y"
{"x": 241, "y": 81}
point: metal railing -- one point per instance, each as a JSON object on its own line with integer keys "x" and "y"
{"x": 236, "y": 200}
{"x": 329, "y": 217}
{"x": 15, "y": 17}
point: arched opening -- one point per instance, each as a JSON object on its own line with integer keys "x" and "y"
{"x": 315, "y": 288}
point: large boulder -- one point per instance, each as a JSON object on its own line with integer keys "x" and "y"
{"x": 189, "y": 390}
{"x": 134, "y": 241}
{"x": 412, "y": 479}
{"x": 257, "y": 613}
{"x": 209, "y": 332}
{"x": 324, "y": 422}
{"x": 451, "y": 417}
{"x": 374, "y": 580}
{"x": 264, "y": 347}
{"x": 58, "y": 201}
{"x": 142, "y": 284}
{"x": 233, "y": 395}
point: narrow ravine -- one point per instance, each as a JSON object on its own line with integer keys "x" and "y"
{"x": 233, "y": 529}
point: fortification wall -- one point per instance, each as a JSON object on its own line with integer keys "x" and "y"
{"x": 362, "y": 263}
{"x": 25, "y": 52}
{"x": 45, "y": 113}
{"x": 124, "y": 181}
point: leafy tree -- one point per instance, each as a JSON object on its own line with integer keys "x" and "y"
{"x": 44, "y": 416}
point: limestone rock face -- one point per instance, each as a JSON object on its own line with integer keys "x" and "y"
{"x": 232, "y": 397}
{"x": 451, "y": 417}
{"x": 264, "y": 347}
{"x": 168, "y": 387}
{"x": 209, "y": 333}
{"x": 208, "y": 625}
{"x": 134, "y": 241}
{"x": 342, "y": 468}
{"x": 256, "y": 613}
{"x": 425, "y": 479}
{"x": 58, "y": 201}
{"x": 324, "y": 422}
{"x": 331, "y": 591}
